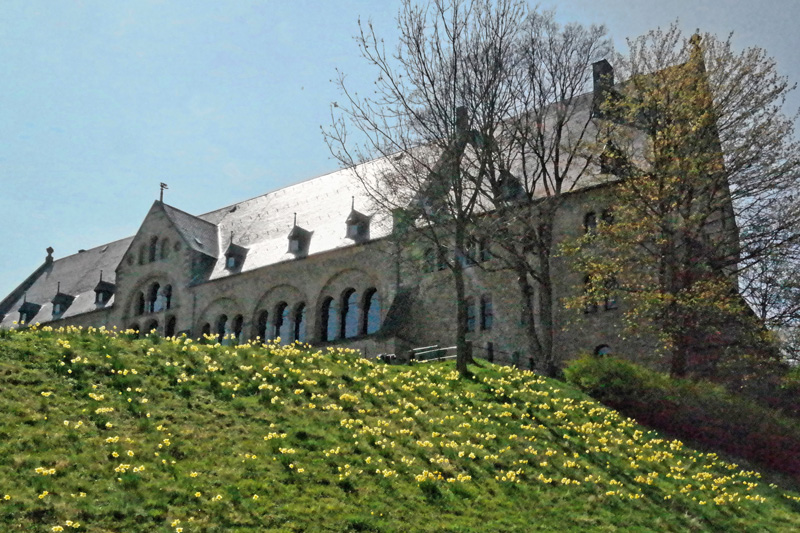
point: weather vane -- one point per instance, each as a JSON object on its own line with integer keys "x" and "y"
{"x": 163, "y": 186}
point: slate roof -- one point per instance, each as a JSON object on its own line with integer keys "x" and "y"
{"x": 261, "y": 225}
{"x": 78, "y": 274}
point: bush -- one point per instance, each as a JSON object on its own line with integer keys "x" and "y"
{"x": 607, "y": 379}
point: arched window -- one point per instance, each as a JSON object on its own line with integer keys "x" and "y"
{"x": 487, "y": 312}
{"x": 153, "y": 302}
{"x": 169, "y": 330}
{"x": 222, "y": 328}
{"x": 329, "y": 320}
{"x": 371, "y": 314}
{"x": 205, "y": 331}
{"x": 299, "y": 323}
{"x": 591, "y": 305}
{"x": 167, "y": 296}
{"x": 590, "y": 222}
{"x": 142, "y": 254}
{"x": 611, "y": 298}
{"x": 602, "y": 350}
{"x": 153, "y": 249}
{"x": 151, "y": 326}
{"x": 282, "y": 325}
{"x": 165, "y": 249}
{"x": 349, "y": 314}
{"x": 140, "y": 304}
{"x": 263, "y": 322}
{"x": 238, "y": 324}
{"x": 470, "y": 304}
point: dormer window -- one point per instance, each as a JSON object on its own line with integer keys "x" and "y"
{"x": 234, "y": 256}
{"x": 27, "y": 312}
{"x": 357, "y": 225}
{"x": 103, "y": 291}
{"x": 61, "y": 302}
{"x": 299, "y": 239}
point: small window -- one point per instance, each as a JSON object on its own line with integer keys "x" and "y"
{"x": 329, "y": 320}
{"x": 487, "y": 313}
{"x": 153, "y": 249}
{"x": 57, "y": 310}
{"x": 603, "y": 350}
{"x": 591, "y": 306}
{"x": 484, "y": 254}
{"x": 349, "y": 314}
{"x": 371, "y": 313}
{"x": 169, "y": 330}
{"x": 590, "y": 222}
{"x": 230, "y": 262}
{"x": 165, "y": 253}
{"x": 294, "y": 245}
{"x": 238, "y": 325}
{"x": 299, "y": 323}
{"x": 263, "y": 323}
{"x": 140, "y": 304}
{"x": 610, "y": 297}
{"x": 151, "y": 327}
{"x": 470, "y": 303}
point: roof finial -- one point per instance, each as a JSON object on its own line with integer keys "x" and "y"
{"x": 101, "y": 275}
{"x": 231, "y": 236}
{"x": 295, "y": 219}
{"x": 58, "y": 288}
{"x": 352, "y": 203}
{"x": 161, "y": 197}
{"x": 49, "y": 258}
{"x": 25, "y": 297}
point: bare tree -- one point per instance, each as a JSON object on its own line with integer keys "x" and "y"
{"x": 438, "y": 99}
{"x": 476, "y": 116}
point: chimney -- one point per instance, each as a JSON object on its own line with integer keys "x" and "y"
{"x": 603, "y": 78}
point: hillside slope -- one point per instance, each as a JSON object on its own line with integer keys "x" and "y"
{"x": 103, "y": 433}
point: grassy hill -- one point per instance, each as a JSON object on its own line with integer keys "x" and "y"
{"x": 99, "y": 432}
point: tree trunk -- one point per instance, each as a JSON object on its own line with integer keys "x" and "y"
{"x": 461, "y": 304}
{"x": 532, "y": 336}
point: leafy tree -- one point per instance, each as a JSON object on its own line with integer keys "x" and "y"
{"x": 706, "y": 172}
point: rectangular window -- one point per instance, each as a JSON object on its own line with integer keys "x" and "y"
{"x": 470, "y": 314}
{"x": 487, "y": 313}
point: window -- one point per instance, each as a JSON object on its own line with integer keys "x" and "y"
{"x": 238, "y": 325}
{"x": 607, "y": 216}
{"x": 263, "y": 322}
{"x": 165, "y": 253}
{"x": 282, "y": 325}
{"x": 590, "y": 222}
{"x": 230, "y": 262}
{"x": 470, "y": 304}
{"x": 153, "y": 303}
{"x": 487, "y": 313}
{"x": 484, "y": 254}
{"x": 169, "y": 330}
{"x": 222, "y": 328}
{"x": 102, "y": 297}
{"x": 167, "y": 292}
{"x": 151, "y": 327}
{"x": 371, "y": 315}
{"x": 349, "y": 314}
{"x": 329, "y": 320}
{"x": 205, "y": 331}
{"x": 142, "y": 254}
{"x": 294, "y": 245}
{"x": 299, "y": 323}
{"x": 591, "y": 305}
{"x": 140, "y": 304}
{"x": 603, "y": 350}
{"x": 153, "y": 249}
{"x": 610, "y": 297}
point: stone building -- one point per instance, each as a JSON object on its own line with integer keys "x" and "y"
{"x": 310, "y": 262}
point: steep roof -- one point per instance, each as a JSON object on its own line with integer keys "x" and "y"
{"x": 200, "y": 235}
{"x": 78, "y": 275}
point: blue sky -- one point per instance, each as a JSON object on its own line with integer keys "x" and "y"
{"x": 101, "y": 101}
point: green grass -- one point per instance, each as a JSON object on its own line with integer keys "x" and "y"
{"x": 159, "y": 435}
